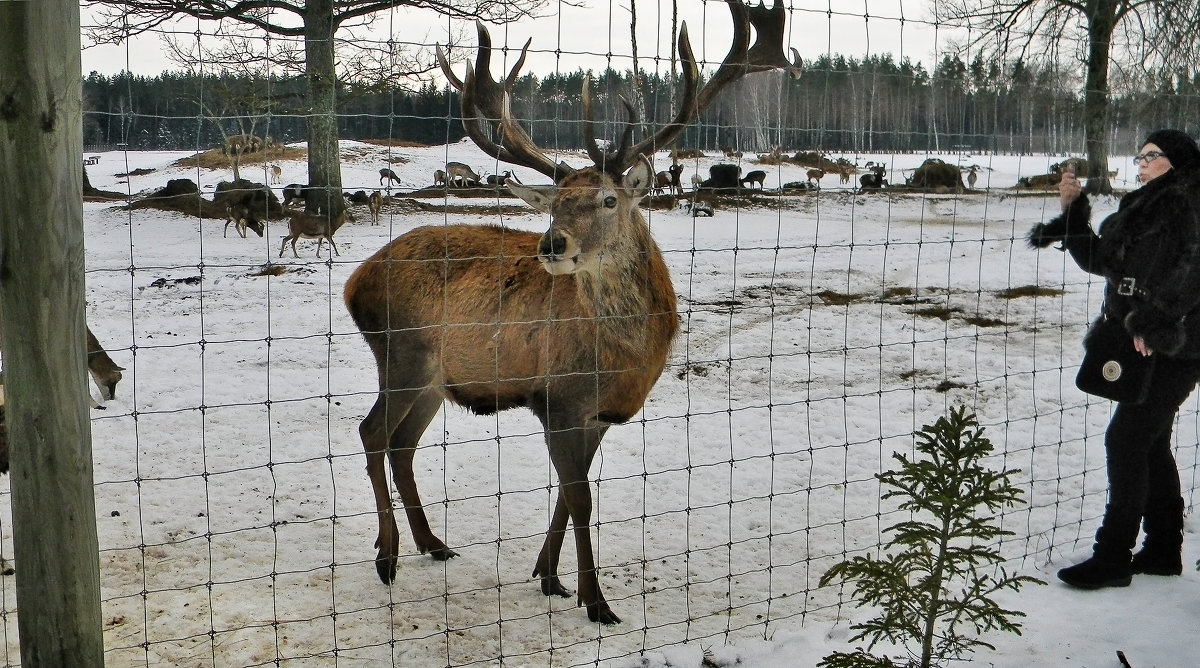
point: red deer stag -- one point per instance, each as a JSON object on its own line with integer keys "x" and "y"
{"x": 574, "y": 324}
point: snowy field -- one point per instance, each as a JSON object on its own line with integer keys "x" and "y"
{"x": 818, "y": 332}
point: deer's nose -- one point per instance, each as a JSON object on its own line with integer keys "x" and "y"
{"x": 553, "y": 244}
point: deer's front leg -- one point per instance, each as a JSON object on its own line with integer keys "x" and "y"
{"x": 547, "y": 562}
{"x": 571, "y": 452}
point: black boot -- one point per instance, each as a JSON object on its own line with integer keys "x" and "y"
{"x": 1098, "y": 572}
{"x": 1111, "y": 556}
{"x": 1162, "y": 550}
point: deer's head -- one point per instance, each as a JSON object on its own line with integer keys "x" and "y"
{"x": 595, "y": 208}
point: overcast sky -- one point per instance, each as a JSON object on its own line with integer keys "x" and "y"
{"x": 584, "y": 36}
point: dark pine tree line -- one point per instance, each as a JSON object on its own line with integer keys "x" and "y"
{"x": 874, "y": 104}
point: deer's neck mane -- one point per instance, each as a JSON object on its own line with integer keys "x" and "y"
{"x": 631, "y": 295}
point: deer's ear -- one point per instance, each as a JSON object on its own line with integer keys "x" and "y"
{"x": 639, "y": 179}
{"x": 538, "y": 198}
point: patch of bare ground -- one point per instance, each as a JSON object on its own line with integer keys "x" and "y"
{"x": 1029, "y": 291}
{"x": 493, "y": 208}
{"x": 217, "y": 158}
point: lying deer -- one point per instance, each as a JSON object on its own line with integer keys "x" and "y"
{"x": 374, "y": 205}
{"x": 314, "y": 226}
{"x": 497, "y": 180}
{"x": 582, "y": 330}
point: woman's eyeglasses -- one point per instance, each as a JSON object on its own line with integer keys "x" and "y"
{"x": 1147, "y": 157}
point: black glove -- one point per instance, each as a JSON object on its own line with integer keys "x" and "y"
{"x": 1072, "y": 221}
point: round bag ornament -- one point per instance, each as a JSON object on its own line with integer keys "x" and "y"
{"x": 1111, "y": 371}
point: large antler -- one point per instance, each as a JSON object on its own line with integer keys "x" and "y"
{"x": 766, "y": 53}
{"x": 485, "y": 104}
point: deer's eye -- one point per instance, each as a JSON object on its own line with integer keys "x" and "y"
{"x": 610, "y": 202}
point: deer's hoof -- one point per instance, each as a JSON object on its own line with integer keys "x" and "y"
{"x": 442, "y": 553}
{"x": 552, "y": 586}
{"x": 386, "y": 567}
{"x": 600, "y": 612}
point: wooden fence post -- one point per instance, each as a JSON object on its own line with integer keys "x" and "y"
{"x": 41, "y": 299}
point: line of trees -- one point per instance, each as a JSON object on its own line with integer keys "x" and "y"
{"x": 840, "y": 104}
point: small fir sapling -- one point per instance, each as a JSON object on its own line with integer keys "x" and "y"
{"x": 933, "y": 586}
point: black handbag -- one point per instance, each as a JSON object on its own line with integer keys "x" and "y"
{"x": 1112, "y": 368}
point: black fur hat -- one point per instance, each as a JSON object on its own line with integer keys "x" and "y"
{"x": 1178, "y": 146}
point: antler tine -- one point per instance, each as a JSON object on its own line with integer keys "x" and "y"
{"x": 445, "y": 64}
{"x": 767, "y": 51}
{"x": 687, "y": 109}
{"x": 766, "y": 54}
{"x": 520, "y": 147}
{"x": 612, "y": 161}
{"x": 515, "y": 145}
{"x": 486, "y": 110}
{"x": 488, "y": 91}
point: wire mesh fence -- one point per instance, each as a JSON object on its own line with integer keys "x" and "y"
{"x": 821, "y": 323}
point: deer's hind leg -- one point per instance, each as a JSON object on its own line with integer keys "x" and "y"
{"x": 401, "y": 452}
{"x": 381, "y": 432}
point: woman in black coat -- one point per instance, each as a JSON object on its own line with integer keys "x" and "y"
{"x": 1149, "y": 253}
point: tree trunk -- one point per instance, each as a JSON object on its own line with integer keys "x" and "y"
{"x": 1095, "y": 95}
{"x": 324, "y": 160}
{"x": 41, "y": 297}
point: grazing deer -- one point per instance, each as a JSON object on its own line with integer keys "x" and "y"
{"x": 461, "y": 175}
{"x": 241, "y": 215}
{"x": 815, "y": 175}
{"x": 756, "y": 176}
{"x": 276, "y": 173}
{"x": 972, "y": 177}
{"x": 574, "y": 324}
{"x": 104, "y": 372}
{"x": 375, "y": 205}
{"x": 314, "y": 226}
{"x": 388, "y": 175}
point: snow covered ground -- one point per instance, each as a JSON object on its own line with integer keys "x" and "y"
{"x": 819, "y": 331}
